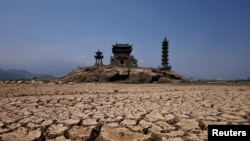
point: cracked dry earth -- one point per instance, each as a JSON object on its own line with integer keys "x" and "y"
{"x": 119, "y": 112}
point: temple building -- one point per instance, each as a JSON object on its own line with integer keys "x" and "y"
{"x": 122, "y": 56}
{"x": 98, "y": 58}
{"x": 164, "y": 60}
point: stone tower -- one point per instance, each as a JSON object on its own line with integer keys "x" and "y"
{"x": 98, "y": 58}
{"x": 164, "y": 60}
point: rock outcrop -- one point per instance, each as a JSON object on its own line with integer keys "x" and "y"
{"x": 121, "y": 74}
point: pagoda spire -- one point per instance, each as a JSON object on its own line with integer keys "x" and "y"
{"x": 164, "y": 60}
{"x": 165, "y": 39}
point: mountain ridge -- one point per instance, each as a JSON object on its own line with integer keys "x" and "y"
{"x": 15, "y": 74}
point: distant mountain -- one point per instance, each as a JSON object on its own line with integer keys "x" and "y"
{"x": 12, "y": 74}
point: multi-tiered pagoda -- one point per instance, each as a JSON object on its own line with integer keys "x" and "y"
{"x": 98, "y": 58}
{"x": 122, "y": 56}
{"x": 164, "y": 60}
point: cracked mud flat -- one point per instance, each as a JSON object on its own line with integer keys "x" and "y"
{"x": 119, "y": 112}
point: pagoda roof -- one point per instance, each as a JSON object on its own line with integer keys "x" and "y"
{"x": 98, "y": 52}
{"x": 122, "y": 45}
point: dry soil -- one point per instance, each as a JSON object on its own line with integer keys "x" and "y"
{"x": 119, "y": 112}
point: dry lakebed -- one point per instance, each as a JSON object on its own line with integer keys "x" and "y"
{"x": 119, "y": 112}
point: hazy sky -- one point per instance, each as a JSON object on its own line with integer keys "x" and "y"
{"x": 207, "y": 38}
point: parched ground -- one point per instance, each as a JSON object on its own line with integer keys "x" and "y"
{"x": 119, "y": 112}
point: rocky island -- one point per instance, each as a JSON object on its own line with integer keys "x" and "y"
{"x": 124, "y": 68}
{"x": 121, "y": 74}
